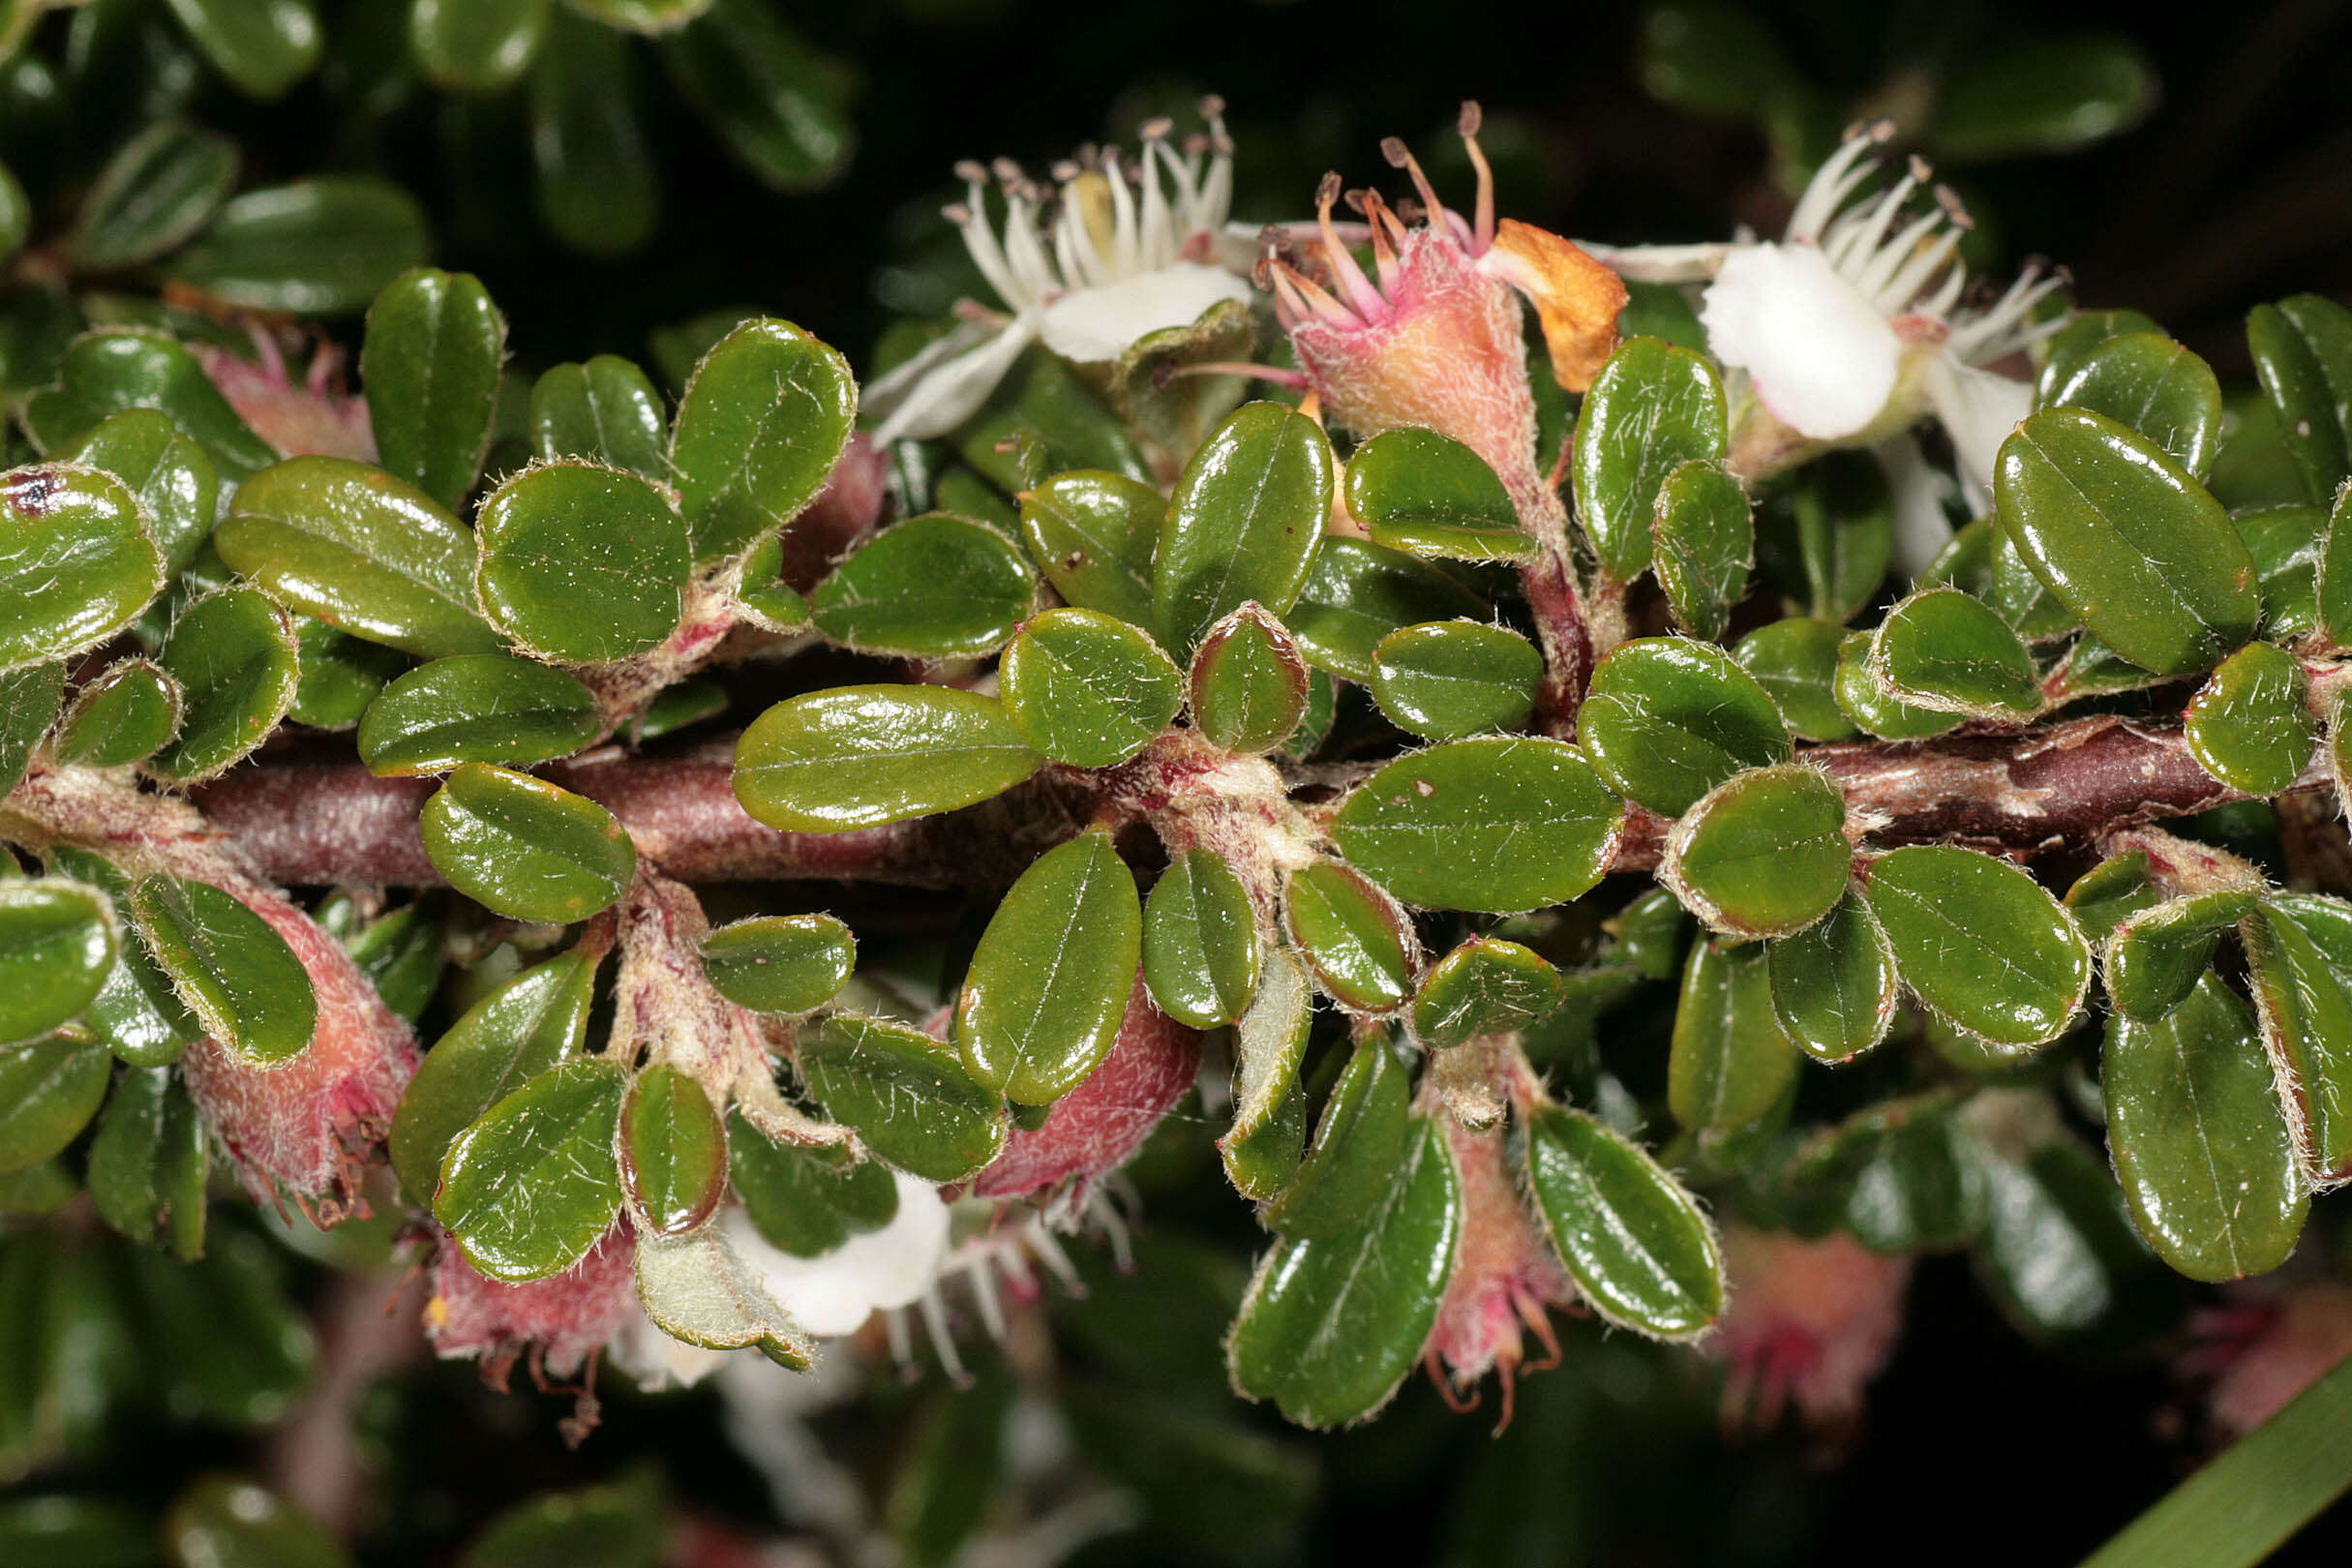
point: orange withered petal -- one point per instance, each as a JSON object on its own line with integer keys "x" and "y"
{"x": 1576, "y": 298}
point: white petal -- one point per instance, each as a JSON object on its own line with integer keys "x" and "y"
{"x": 1921, "y": 527}
{"x": 1091, "y": 326}
{"x": 1823, "y": 358}
{"x": 1660, "y": 263}
{"x": 1979, "y": 409}
{"x": 889, "y": 1267}
{"x": 885, "y": 393}
{"x": 950, "y": 393}
{"x": 655, "y": 1361}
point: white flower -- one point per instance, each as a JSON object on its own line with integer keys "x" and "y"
{"x": 1131, "y": 249}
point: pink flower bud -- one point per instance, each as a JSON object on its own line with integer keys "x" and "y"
{"x": 1506, "y": 1277}
{"x": 557, "y": 1321}
{"x": 315, "y": 417}
{"x": 2264, "y": 1349}
{"x": 1813, "y": 1320}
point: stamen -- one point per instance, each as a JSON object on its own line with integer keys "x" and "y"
{"x": 979, "y": 239}
{"x": 1303, "y": 297}
{"x": 902, "y": 1348}
{"x": 1388, "y": 236}
{"x": 1399, "y": 155}
{"x": 1884, "y": 263}
{"x": 983, "y": 1295}
{"x": 1123, "y": 215}
{"x": 1008, "y": 172}
{"x": 1857, "y": 237}
{"x": 1454, "y": 1401}
{"x": 943, "y": 1344}
{"x": 1345, "y": 271}
{"x": 1826, "y": 192}
{"x": 1057, "y": 1262}
{"x": 1482, "y": 227}
{"x": 972, "y": 171}
{"x": 1905, "y": 286}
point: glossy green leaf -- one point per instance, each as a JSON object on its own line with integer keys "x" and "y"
{"x": 2021, "y": 598}
{"x": 2303, "y": 352}
{"x": 225, "y": 1344}
{"x": 1916, "y": 1185}
{"x": 524, "y": 847}
{"x": 1358, "y": 593}
{"x": 475, "y": 46}
{"x": 135, "y": 1013}
{"x": 129, "y": 712}
{"x": 1834, "y": 985}
{"x": 1666, "y": 719}
{"x": 762, "y": 597}
{"x": 148, "y": 1163}
{"x": 153, "y": 195}
{"x": 1248, "y": 690}
{"x": 766, "y": 90}
{"x": 860, "y": 756}
{"x": 2249, "y": 726}
{"x": 172, "y": 476}
{"x": 431, "y": 367}
{"x": 57, "y": 947}
{"x": 530, "y": 1187}
{"x": 1049, "y": 980}
{"x": 2058, "y": 1250}
{"x": 1348, "y": 1168}
{"x": 1948, "y": 653}
{"x": 232, "y": 654}
{"x": 1356, "y": 940}
{"x": 1762, "y": 854}
{"x": 645, "y": 15}
{"x": 218, "y": 1519}
{"x": 1086, "y": 688}
{"x": 1729, "y": 1063}
{"x": 780, "y": 963}
{"x": 488, "y": 707}
{"x": 2111, "y": 892}
{"x": 1980, "y": 941}
{"x": 76, "y": 564}
{"x": 2126, "y": 539}
{"x": 2298, "y": 958}
{"x": 233, "y": 971}
{"x": 49, "y": 1089}
{"x": 2071, "y": 345}
{"x": 1866, "y": 703}
{"x": 1637, "y": 1244}
{"x": 673, "y": 1152}
{"x": 1200, "y": 946}
{"x": 759, "y": 429}
{"x": 1244, "y": 523}
{"x": 1828, "y": 537}
{"x": 340, "y": 676}
{"x": 265, "y": 47}
{"x": 1447, "y": 679}
{"x": 934, "y": 586}
{"x": 1485, "y": 987}
{"x": 806, "y": 1200}
{"x": 581, "y": 563}
{"x": 1263, "y": 1149}
{"x": 1496, "y": 825}
{"x": 1796, "y": 661}
{"x": 596, "y": 188}
{"x": 605, "y": 411}
{"x": 500, "y": 1042}
{"x": 1332, "y": 1325}
{"x": 1428, "y": 494}
{"x": 2204, "y": 1156}
{"x": 1704, "y": 545}
{"x": 2043, "y": 95}
{"x": 319, "y": 247}
{"x": 2289, "y": 544}
{"x": 107, "y": 371}
{"x": 402, "y": 955}
{"x": 1093, "y": 534}
{"x": 2148, "y": 383}
{"x": 28, "y": 705}
{"x": 910, "y": 1098}
{"x": 1652, "y": 409}
{"x": 2332, "y": 577}
{"x": 696, "y": 1288}
{"x": 624, "y": 1522}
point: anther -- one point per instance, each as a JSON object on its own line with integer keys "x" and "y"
{"x": 1472, "y": 119}
{"x": 1393, "y": 149}
{"x": 1211, "y": 105}
{"x": 1155, "y": 130}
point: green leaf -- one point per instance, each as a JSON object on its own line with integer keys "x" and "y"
{"x": 525, "y": 848}
{"x": 1355, "y": 940}
{"x": 475, "y": 46}
{"x": 2303, "y": 352}
{"x": 401, "y": 954}
{"x": 1834, "y": 985}
{"x": 934, "y": 586}
{"x": 1332, "y": 1325}
{"x": 806, "y": 1200}
{"x": 2148, "y": 383}
{"x": 861, "y": 756}
{"x": 431, "y": 367}
{"x": 1357, "y": 594}
{"x": 2204, "y": 1156}
{"x": 504, "y": 1041}
{"x": 1948, "y": 653}
{"x": 221, "y": 1520}
{"x": 232, "y": 654}
{"x": 1827, "y": 538}
{"x": 361, "y": 551}
{"x": 1049, "y": 980}
{"x": 1762, "y": 854}
{"x": 1093, "y": 534}
{"x": 1729, "y": 1063}
{"x": 127, "y": 713}
{"x": 605, "y": 411}
{"x": 113, "y": 369}
{"x": 1244, "y": 523}
{"x": 1795, "y": 662}
{"x": 1666, "y": 719}
{"x": 1652, "y": 409}
{"x": 488, "y": 707}
{"x": 780, "y": 963}
{"x": 581, "y": 563}
{"x": 28, "y": 705}
{"x": 2332, "y": 577}
{"x": 168, "y": 472}
{"x": 1086, "y": 688}
{"x": 1261, "y": 1150}
{"x": 645, "y": 15}
{"x": 317, "y": 247}
{"x": 2289, "y": 544}
{"x": 1485, "y": 987}
{"x": 2071, "y": 345}
{"x": 1704, "y": 545}
{"x": 1637, "y": 1244}
{"x": 2022, "y": 599}
{"x": 673, "y": 1153}
{"x": 1916, "y": 1185}
{"x": 908, "y": 1098}
{"x": 530, "y": 1187}
{"x": 1980, "y": 941}
{"x": 2111, "y": 892}
{"x": 699, "y": 1289}
{"x": 57, "y": 947}
{"x": 1428, "y": 494}
{"x": 76, "y": 564}
{"x": 49, "y": 1089}
{"x": 1447, "y": 679}
{"x": 596, "y": 188}
{"x": 264, "y": 46}
{"x": 2058, "y": 1250}
{"x": 768, "y": 94}
{"x": 1348, "y": 1168}
{"x": 622, "y": 1523}
{"x": 2248, "y": 725}
{"x": 2126, "y": 539}
{"x": 762, "y": 422}
{"x": 1497, "y": 826}
{"x": 233, "y": 971}
{"x": 1865, "y": 701}
{"x": 135, "y": 1012}
{"x": 153, "y": 195}
{"x": 2043, "y": 95}
{"x": 1200, "y": 945}
{"x": 1249, "y": 682}
{"x": 148, "y": 1163}
{"x": 340, "y": 677}
{"x": 2298, "y": 958}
